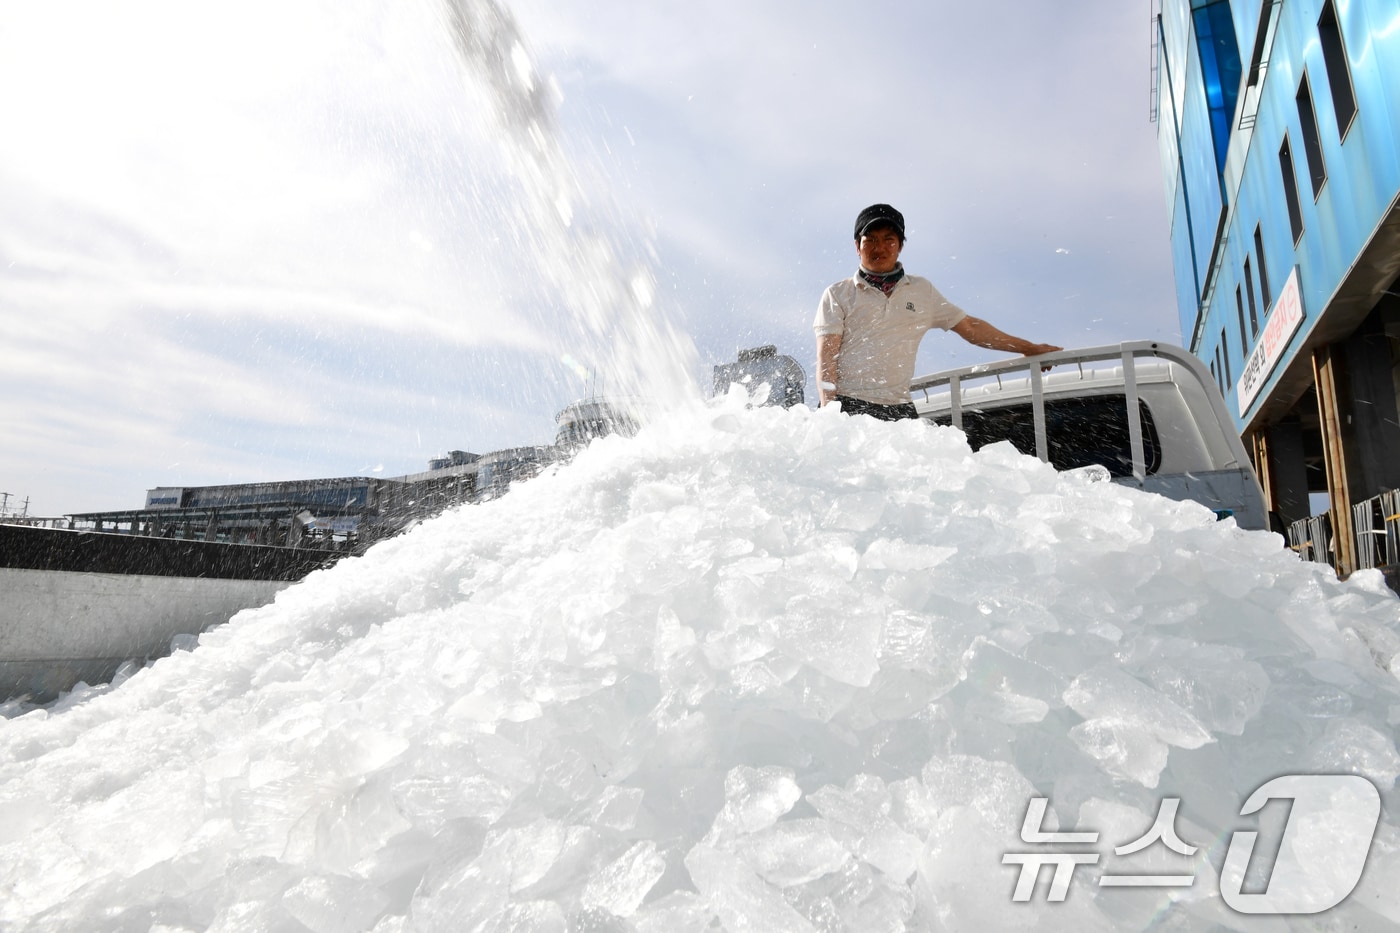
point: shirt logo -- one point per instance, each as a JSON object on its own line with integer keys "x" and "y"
{"x": 909, "y": 306}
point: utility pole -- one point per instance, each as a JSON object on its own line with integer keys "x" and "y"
{"x": 5, "y": 498}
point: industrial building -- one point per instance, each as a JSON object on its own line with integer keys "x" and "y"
{"x": 346, "y": 514}
{"x": 343, "y": 514}
{"x": 1278, "y": 124}
{"x": 351, "y": 513}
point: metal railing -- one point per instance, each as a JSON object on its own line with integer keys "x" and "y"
{"x": 1125, "y": 353}
{"x": 1311, "y": 539}
{"x": 1377, "y": 522}
{"x": 1377, "y": 526}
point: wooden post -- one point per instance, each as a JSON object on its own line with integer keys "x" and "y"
{"x": 1334, "y": 456}
{"x": 1258, "y": 444}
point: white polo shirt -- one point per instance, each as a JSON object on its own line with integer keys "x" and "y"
{"x": 880, "y": 336}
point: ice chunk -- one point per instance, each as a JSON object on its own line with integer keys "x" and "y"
{"x": 677, "y": 912}
{"x": 896, "y": 695}
{"x": 1353, "y": 747}
{"x": 1128, "y": 725}
{"x": 987, "y": 662}
{"x": 1093, "y": 473}
{"x": 530, "y": 917}
{"x": 832, "y": 636}
{"x": 855, "y": 511}
{"x": 860, "y": 821}
{"x": 855, "y": 897}
{"x": 741, "y": 899}
{"x": 792, "y": 852}
{"x": 925, "y": 642}
{"x": 657, "y": 496}
{"x": 334, "y": 903}
{"x": 889, "y": 554}
{"x": 526, "y": 853}
{"x": 23, "y": 816}
{"x": 578, "y": 857}
{"x": 615, "y": 808}
{"x": 620, "y": 886}
{"x": 1377, "y": 890}
{"x": 350, "y": 826}
{"x": 954, "y": 891}
{"x": 754, "y": 799}
{"x": 1103, "y": 693}
{"x": 461, "y": 892}
{"x": 1217, "y": 685}
{"x": 1007, "y": 707}
{"x": 1123, "y": 748}
{"x": 995, "y": 790}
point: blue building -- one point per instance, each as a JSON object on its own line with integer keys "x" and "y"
{"x": 1279, "y": 132}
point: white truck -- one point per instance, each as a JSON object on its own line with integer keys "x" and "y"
{"x": 1148, "y": 412}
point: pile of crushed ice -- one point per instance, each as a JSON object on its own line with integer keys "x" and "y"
{"x": 754, "y": 669}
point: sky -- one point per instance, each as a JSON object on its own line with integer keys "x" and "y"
{"x": 305, "y": 239}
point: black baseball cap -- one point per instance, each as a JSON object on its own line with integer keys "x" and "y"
{"x": 879, "y": 214}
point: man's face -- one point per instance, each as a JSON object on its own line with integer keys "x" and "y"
{"x": 879, "y": 248}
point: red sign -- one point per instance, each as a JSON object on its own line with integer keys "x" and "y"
{"x": 1283, "y": 323}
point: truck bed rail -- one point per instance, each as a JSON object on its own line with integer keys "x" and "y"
{"x": 1126, "y": 354}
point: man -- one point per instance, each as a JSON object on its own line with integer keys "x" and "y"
{"x": 869, "y": 326}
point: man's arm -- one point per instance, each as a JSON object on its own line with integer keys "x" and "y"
{"x": 979, "y": 333}
{"x": 828, "y": 349}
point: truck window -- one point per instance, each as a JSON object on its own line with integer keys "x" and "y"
{"x": 1079, "y": 432}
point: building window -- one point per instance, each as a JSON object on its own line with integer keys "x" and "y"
{"x": 1239, "y": 308}
{"x": 1312, "y": 143}
{"x": 1264, "y": 295}
{"x": 1334, "y": 56}
{"x": 1220, "y": 68}
{"x": 1225, "y": 357}
{"x": 1290, "y": 191}
{"x": 1249, "y": 290}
